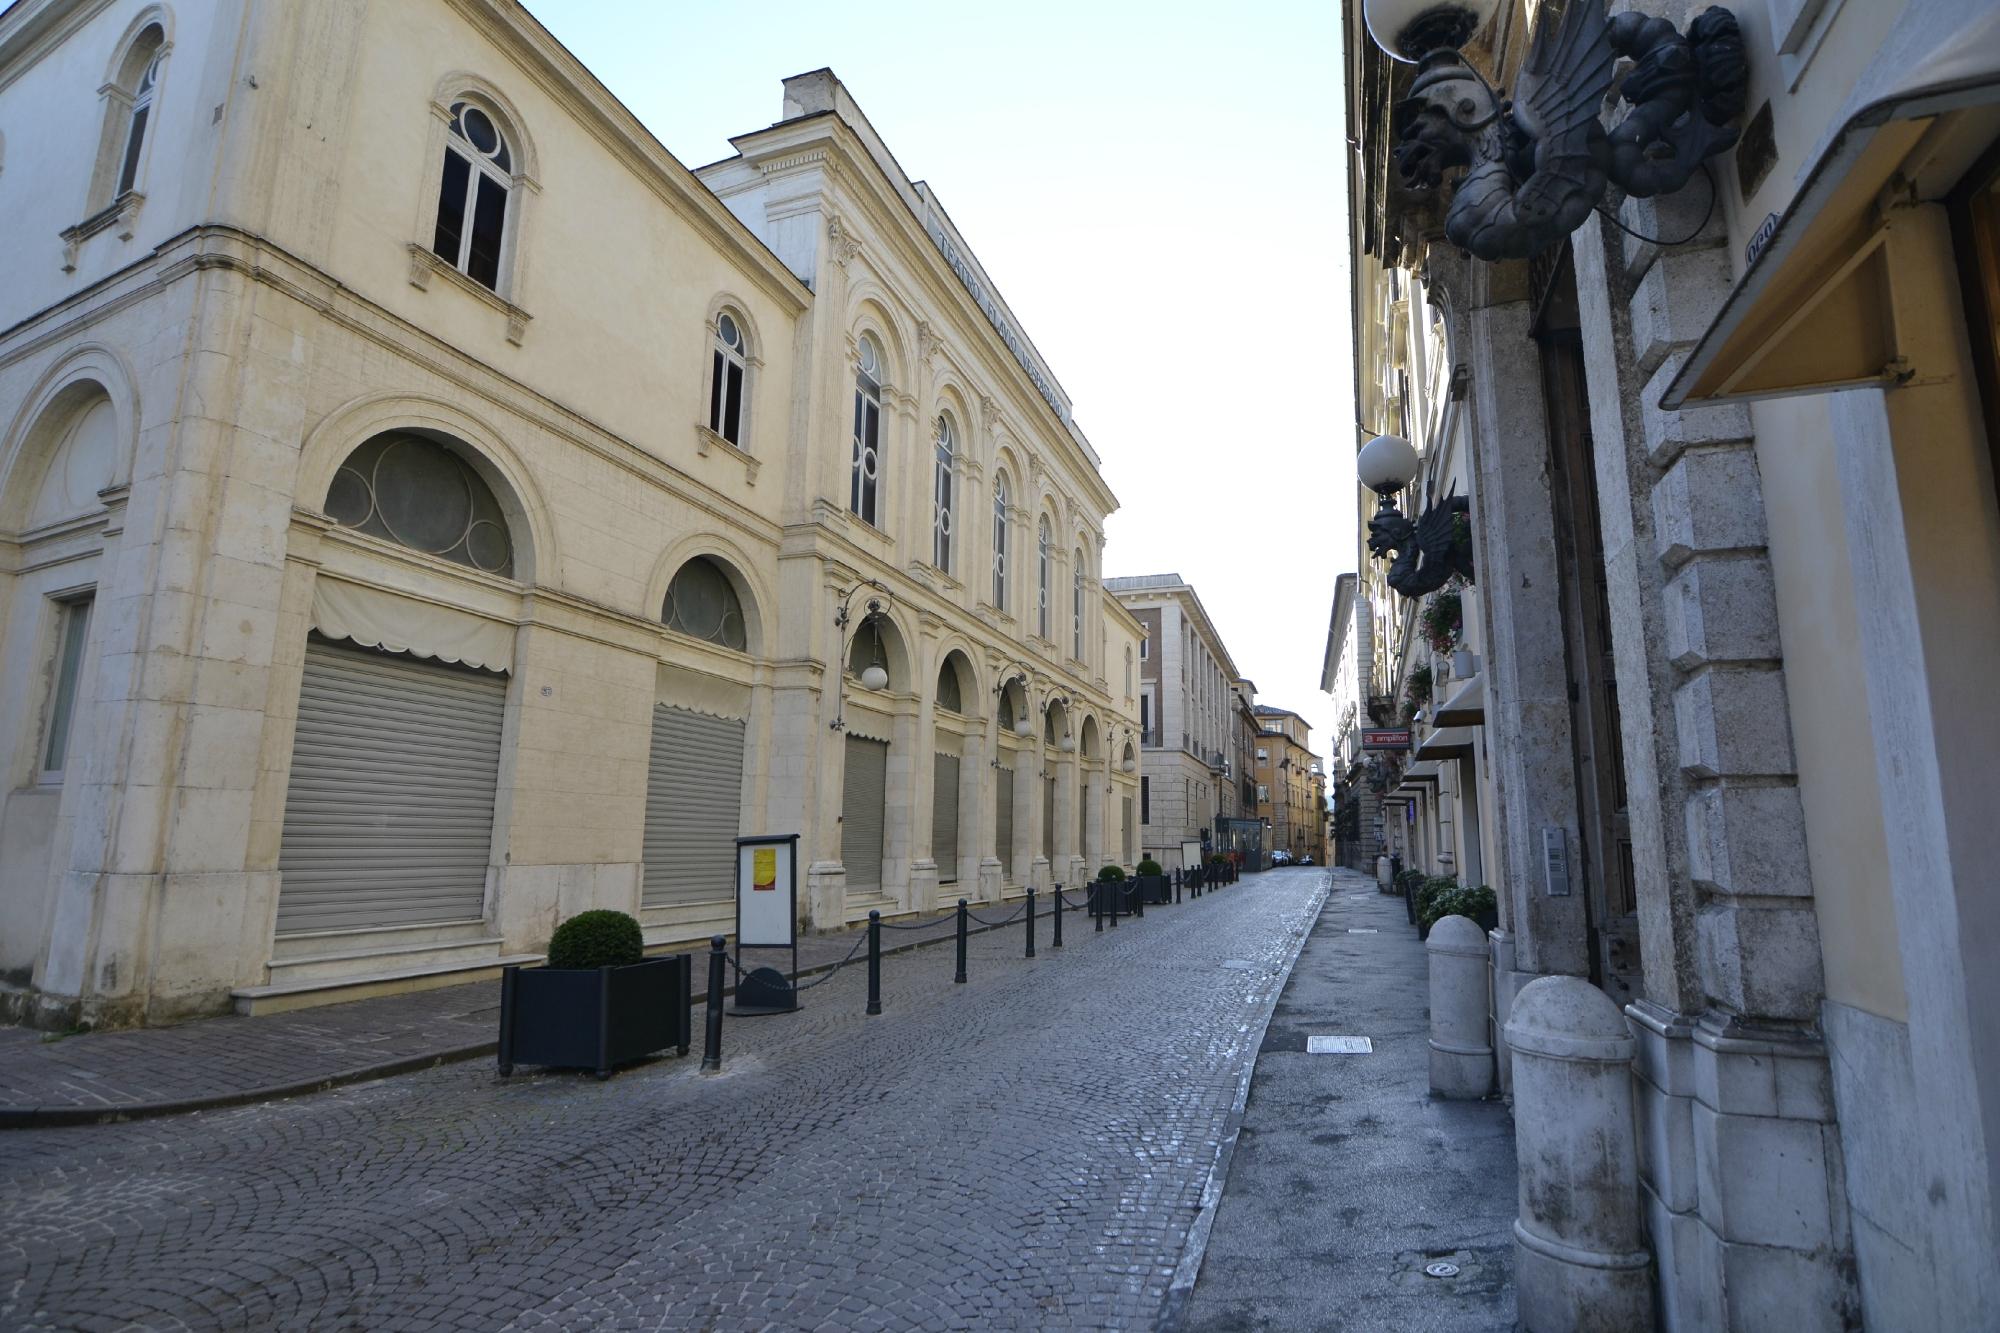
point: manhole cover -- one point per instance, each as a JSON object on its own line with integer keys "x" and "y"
{"x": 1441, "y": 1269}
{"x": 1326, "y": 1044}
{"x": 1361, "y": 930}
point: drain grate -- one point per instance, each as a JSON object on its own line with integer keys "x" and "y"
{"x": 1361, "y": 930}
{"x": 1322, "y": 1043}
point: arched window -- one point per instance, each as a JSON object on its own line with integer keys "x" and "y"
{"x": 1128, "y": 670}
{"x": 129, "y": 96}
{"x": 949, "y": 696}
{"x": 947, "y": 445}
{"x": 1000, "y": 541}
{"x": 1042, "y": 588}
{"x": 867, "y": 470}
{"x": 1076, "y": 606}
{"x": 729, "y": 373}
{"x": 702, "y": 602}
{"x": 472, "y": 197}
{"x": 142, "y": 110}
{"x": 413, "y": 491}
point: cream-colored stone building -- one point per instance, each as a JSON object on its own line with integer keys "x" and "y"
{"x": 1190, "y": 697}
{"x": 427, "y": 510}
{"x": 1723, "y": 703}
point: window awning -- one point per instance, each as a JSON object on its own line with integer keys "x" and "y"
{"x": 1815, "y": 311}
{"x": 1447, "y": 743}
{"x": 1420, "y": 775}
{"x": 1466, "y": 707}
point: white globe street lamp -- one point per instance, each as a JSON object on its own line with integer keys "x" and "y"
{"x": 1408, "y": 30}
{"x": 1386, "y": 464}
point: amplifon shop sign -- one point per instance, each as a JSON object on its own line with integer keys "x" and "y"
{"x": 1386, "y": 738}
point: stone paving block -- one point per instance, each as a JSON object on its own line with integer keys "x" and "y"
{"x": 989, "y": 1151}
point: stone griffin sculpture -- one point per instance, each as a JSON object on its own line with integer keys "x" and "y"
{"x": 1429, "y": 551}
{"x": 1538, "y": 165}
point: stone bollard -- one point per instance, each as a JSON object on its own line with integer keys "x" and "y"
{"x": 1579, "y": 1261}
{"x": 1382, "y": 876}
{"x": 1461, "y": 1059}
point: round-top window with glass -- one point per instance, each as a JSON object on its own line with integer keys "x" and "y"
{"x": 412, "y": 490}
{"x": 702, "y": 602}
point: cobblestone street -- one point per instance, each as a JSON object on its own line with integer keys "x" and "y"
{"x": 1028, "y": 1150}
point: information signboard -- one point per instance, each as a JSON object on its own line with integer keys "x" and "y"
{"x": 767, "y": 892}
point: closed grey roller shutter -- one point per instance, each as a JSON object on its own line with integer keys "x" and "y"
{"x": 1049, "y": 819}
{"x": 944, "y": 817}
{"x": 694, "y": 787}
{"x": 1082, "y": 819}
{"x": 863, "y": 797}
{"x": 389, "y": 811}
{"x": 1003, "y": 821}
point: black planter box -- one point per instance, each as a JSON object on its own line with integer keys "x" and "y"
{"x": 595, "y": 1018}
{"x": 1155, "y": 888}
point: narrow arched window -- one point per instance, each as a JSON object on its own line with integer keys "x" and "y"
{"x": 702, "y": 602}
{"x": 949, "y": 696}
{"x": 947, "y": 447}
{"x": 729, "y": 372}
{"x": 135, "y": 125}
{"x": 1000, "y": 541}
{"x": 1076, "y": 607}
{"x": 1128, "y": 671}
{"x": 1042, "y": 586}
{"x": 863, "y": 494}
{"x": 472, "y": 197}
{"x": 412, "y": 490}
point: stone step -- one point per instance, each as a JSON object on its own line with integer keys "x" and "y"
{"x": 400, "y": 956}
{"x": 282, "y": 997}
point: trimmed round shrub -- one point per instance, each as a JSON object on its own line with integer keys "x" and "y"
{"x": 1150, "y": 867}
{"x": 597, "y": 939}
{"x": 1435, "y": 899}
{"x": 1111, "y": 873}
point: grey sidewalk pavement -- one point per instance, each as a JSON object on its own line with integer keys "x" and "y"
{"x": 134, "y": 1073}
{"x": 1347, "y": 1177}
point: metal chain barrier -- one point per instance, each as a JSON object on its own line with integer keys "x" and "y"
{"x": 798, "y": 986}
{"x": 1005, "y": 921}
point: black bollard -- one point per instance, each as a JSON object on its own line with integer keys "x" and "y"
{"x": 962, "y": 914}
{"x": 1056, "y": 943}
{"x": 1097, "y": 904}
{"x": 1031, "y": 923}
{"x": 874, "y": 963}
{"x": 1177, "y": 886}
{"x": 1117, "y": 892}
{"x": 711, "y": 1050}
{"x": 1138, "y": 900}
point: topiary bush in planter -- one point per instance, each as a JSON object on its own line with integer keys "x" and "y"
{"x": 1151, "y": 884}
{"x": 1110, "y": 874}
{"x": 598, "y": 1001}
{"x": 1149, "y": 866}
{"x": 597, "y": 939}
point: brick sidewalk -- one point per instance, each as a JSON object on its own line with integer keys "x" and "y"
{"x": 212, "y": 1062}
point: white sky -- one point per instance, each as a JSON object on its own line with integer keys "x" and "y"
{"x": 1158, "y": 191}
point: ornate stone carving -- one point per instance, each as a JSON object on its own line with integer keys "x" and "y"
{"x": 1538, "y": 164}
{"x": 1427, "y": 552}
{"x": 842, "y": 243}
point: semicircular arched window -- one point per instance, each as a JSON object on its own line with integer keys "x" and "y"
{"x": 702, "y": 602}
{"x": 412, "y": 490}
{"x": 948, "y": 696}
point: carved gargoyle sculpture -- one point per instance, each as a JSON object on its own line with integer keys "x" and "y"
{"x": 1429, "y": 551}
{"x": 1539, "y": 164}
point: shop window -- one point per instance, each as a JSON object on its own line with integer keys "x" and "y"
{"x": 702, "y": 602}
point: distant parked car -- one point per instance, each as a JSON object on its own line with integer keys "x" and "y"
{"x": 1306, "y": 860}
{"x": 1281, "y": 857}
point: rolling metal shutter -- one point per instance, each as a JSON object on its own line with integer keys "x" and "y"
{"x": 944, "y": 817}
{"x": 1003, "y": 822}
{"x": 864, "y": 797}
{"x": 1049, "y": 819}
{"x": 694, "y": 790}
{"x": 389, "y": 811}
{"x": 1082, "y": 819}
